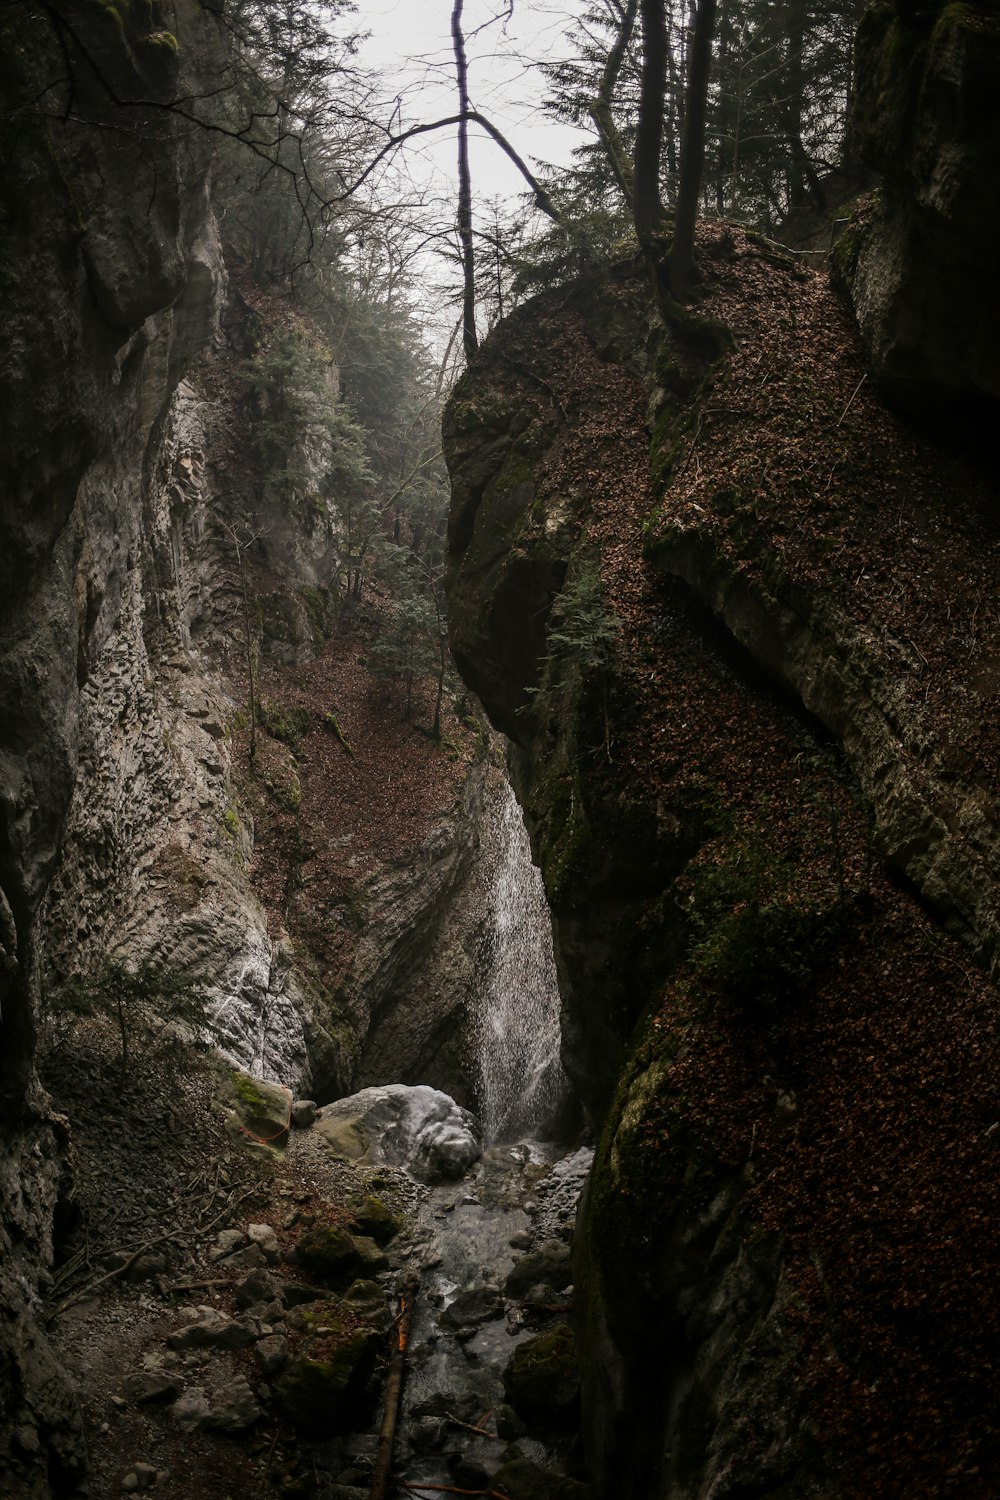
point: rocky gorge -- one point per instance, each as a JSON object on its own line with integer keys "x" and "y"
{"x": 736, "y": 622}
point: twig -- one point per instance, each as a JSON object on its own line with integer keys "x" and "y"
{"x": 850, "y": 403}
{"x": 457, "y": 1422}
{"x": 196, "y": 1286}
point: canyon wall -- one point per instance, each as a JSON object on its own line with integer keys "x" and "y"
{"x": 733, "y": 620}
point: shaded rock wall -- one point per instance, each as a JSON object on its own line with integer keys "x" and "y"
{"x": 749, "y": 997}
{"x": 110, "y": 270}
{"x": 919, "y": 262}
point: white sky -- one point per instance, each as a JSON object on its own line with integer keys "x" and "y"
{"x": 410, "y": 46}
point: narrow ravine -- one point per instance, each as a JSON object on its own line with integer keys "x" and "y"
{"x": 493, "y": 1250}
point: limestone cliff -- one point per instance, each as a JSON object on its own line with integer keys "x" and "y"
{"x": 737, "y": 622}
{"x": 919, "y": 263}
{"x": 135, "y": 827}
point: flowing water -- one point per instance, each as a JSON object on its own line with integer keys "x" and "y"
{"x": 521, "y": 1085}
{"x": 520, "y": 1196}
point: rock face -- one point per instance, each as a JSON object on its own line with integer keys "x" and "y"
{"x": 918, "y": 264}
{"x": 110, "y": 270}
{"x": 747, "y": 996}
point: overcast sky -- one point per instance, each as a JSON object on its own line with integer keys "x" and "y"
{"x": 410, "y": 46}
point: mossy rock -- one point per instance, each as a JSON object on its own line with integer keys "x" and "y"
{"x": 338, "y": 1257}
{"x": 259, "y": 1117}
{"x": 373, "y": 1218}
{"x": 542, "y": 1380}
{"x": 321, "y": 1396}
{"x": 523, "y": 1480}
{"x": 367, "y": 1298}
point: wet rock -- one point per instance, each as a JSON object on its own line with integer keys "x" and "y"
{"x": 414, "y": 1127}
{"x": 148, "y": 1386}
{"x": 521, "y": 1240}
{"x": 479, "y": 1305}
{"x": 549, "y": 1266}
{"x": 542, "y": 1380}
{"x": 509, "y": 1424}
{"x": 523, "y": 1480}
{"x": 469, "y": 1473}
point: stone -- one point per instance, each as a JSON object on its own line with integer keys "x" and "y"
{"x": 479, "y": 1305}
{"x": 212, "y": 1329}
{"x": 264, "y": 1237}
{"x": 318, "y": 1396}
{"x": 372, "y": 1217}
{"x": 148, "y": 1386}
{"x": 234, "y": 1408}
{"x": 542, "y": 1380}
{"x": 548, "y": 1266}
{"x": 259, "y": 1286}
{"x": 415, "y": 1127}
{"x": 228, "y": 1240}
{"x": 338, "y": 1257}
{"x": 190, "y": 1410}
{"x": 147, "y": 1475}
{"x": 303, "y": 1113}
{"x": 260, "y": 1116}
{"x": 271, "y": 1354}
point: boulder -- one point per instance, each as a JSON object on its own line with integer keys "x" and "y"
{"x": 325, "y": 1394}
{"x": 416, "y": 1127}
{"x": 373, "y": 1218}
{"x": 479, "y": 1305}
{"x": 338, "y": 1257}
{"x": 213, "y": 1329}
{"x": 548, "y": 1266}
{"x": 260, "y": 1112}
{"x": 542, "y": 1381}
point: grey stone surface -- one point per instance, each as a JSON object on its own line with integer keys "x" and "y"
{"x": 414, "y": 1127}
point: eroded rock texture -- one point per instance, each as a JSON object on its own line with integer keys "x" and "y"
{"x": 109, "y": 271}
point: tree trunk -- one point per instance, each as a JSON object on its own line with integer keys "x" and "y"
{"x": 682, "y": 269}
{"x": 646, "y": 206}
{"x": 466, "y": 246}
{"x": 600, "y": 109}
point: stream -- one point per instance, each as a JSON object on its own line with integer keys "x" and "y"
{"x": 518, "y": 1200}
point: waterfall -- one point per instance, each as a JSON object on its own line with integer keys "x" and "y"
{"x": 521, "y": 1080}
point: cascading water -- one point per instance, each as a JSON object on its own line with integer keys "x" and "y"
{"x": 522, "y": 1086}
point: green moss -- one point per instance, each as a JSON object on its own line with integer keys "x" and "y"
{"x": 282, "y": 722}
{"x": 542, "y": 1381}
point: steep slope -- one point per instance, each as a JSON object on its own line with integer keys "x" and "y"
{"x": 754, "y": 700}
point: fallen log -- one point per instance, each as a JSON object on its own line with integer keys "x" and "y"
{"x": 394, "y": 1387}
